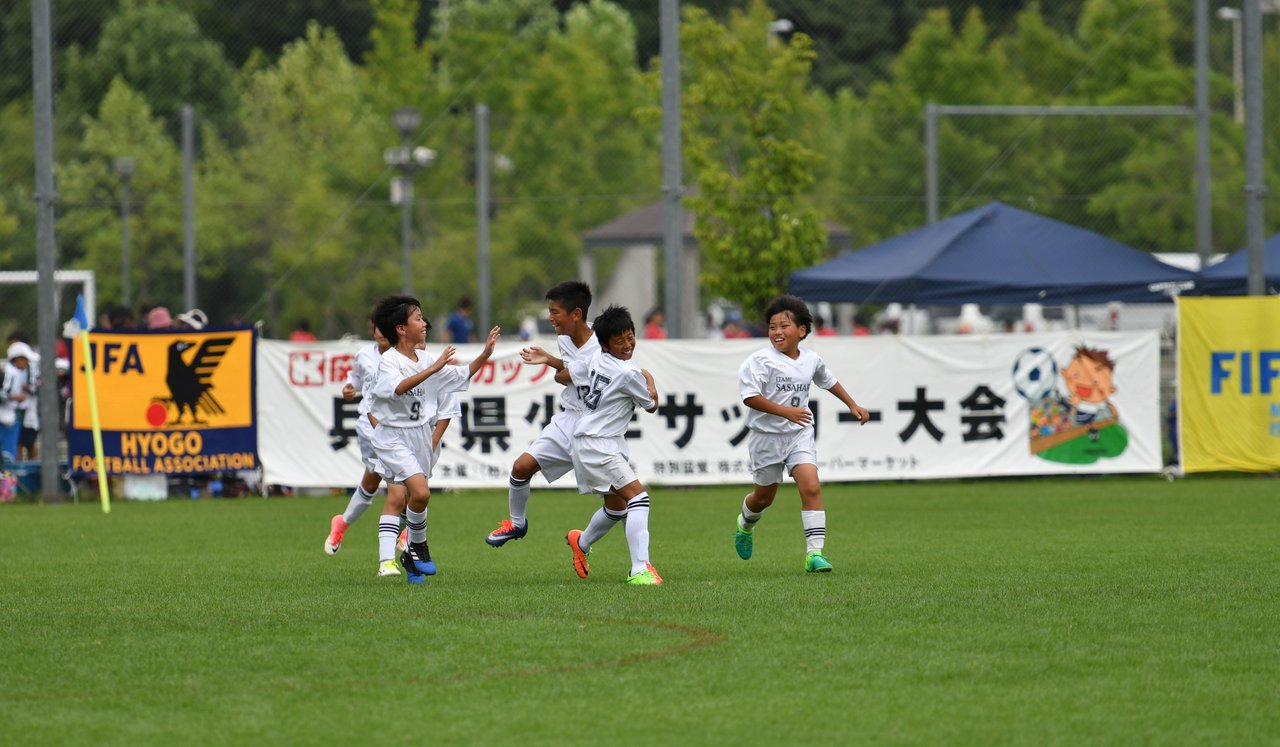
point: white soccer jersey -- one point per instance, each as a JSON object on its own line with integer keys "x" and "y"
{"x": 783, "y": 381}
{"x": 363, "y": 374}
{"x": 570, "y": 400}
{"x": 449, "y": 407}
{"x": 419, "y": 406}
{"x": 610, "y": 389}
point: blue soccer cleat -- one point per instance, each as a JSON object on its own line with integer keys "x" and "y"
{"x": 506, "y": 532}
{"x": 417, "y": 558}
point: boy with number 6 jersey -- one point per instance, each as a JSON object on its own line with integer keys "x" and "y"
{"x": 405, "y": 397}
{"x": 774, "y": 384}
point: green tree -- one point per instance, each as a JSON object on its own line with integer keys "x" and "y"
{"x": 572, "y": 132}
{"x": 160, "y": 52}
{"x": 741, "y": 96}
{"x": 89, "y": 230}
{"x": 312, "y": 147}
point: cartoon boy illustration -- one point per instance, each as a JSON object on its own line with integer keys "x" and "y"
{"x": 1089, "y": 382}
{"x": 1079, "y": 406}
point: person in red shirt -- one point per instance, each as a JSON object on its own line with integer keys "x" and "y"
{"x": 655, "y": 325}
{"x": 302, "y": 333}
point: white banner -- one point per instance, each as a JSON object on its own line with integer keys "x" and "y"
{"x": 942, "y": 407}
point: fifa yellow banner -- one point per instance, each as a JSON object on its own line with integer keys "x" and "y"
{"x": 1229, "y": 383}
{"x": 172, "y": 402}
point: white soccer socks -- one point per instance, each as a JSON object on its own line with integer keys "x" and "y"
{"x": 637, "y": 528}
{"x": 417, "y": 525}
{"x": 601, "y": 522}
{"x": 748, "y": 518}
{"x": 360, "y": 501}
{"x": 518, "y": 500}
{"x": 388, "y": 532}
{"x": 815, "y": 529}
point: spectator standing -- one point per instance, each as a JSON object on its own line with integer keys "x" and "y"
{"x": 14, "y": 390}
{"x": 460, "y": 327}
{"x": 300, "y": 334}
{"x": 193, "y": 319}
{"x": 159, "y": 318}
{"x": 655, "y": 325}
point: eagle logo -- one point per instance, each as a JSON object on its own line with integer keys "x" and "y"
{"x": 191, "y": 383}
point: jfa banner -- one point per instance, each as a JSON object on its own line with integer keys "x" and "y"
{"x": 1229, "y": 383}
{"x": 169, "y": 402}
{"x": 941, "y": 407}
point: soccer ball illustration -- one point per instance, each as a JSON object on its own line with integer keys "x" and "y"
{"x": 1034, "y": 373}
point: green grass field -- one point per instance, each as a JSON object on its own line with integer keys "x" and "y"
{"x": 1086, "y": 611}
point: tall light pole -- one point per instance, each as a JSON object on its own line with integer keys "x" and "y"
{"x": 125, "y": 166}
{"x": 408, "y": 159}
{"x": 1227, "y": 13}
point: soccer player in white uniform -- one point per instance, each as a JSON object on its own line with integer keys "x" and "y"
{"x": 550, "y": 452}
{"x": 364, "y": 371}
{"x": 405, "y": 405}
{"x": 361, "y": 378}
{"x": 611, "y": 387}
{"x": 774, "y": 384}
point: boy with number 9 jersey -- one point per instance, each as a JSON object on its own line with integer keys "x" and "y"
{"x": 405, "y": 397}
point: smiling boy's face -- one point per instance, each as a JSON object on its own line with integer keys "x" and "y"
{"x": 415, "y": 328}
{"x": 784, "y": 333}
{"x": 622, "y": 346}
{"x": 1088, "y": 380}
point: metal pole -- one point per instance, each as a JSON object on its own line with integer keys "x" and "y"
{"x": 1204, "y": 178}
{"x": 46, "y": 247}
{"x": 406, "y": 218}
{"x": 1255, "y": 188}
{"x": 189, "y": 206}
{"x": 126, "y": 265}
{"x": 482, "y": 214}
{"x": 931, "y": 163}
{"x": 672, "y": 163}
{"x": 1237, "y": 67}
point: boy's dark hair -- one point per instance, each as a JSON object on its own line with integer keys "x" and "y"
{"x": 392, "y": 311}
{"x": 571, "y": 294}
{"x": 1096, "y": 355}
{"x": 798, "y": 309}
{"x": 612, "y": 322}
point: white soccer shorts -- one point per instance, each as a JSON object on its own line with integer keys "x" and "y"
{"x": 401, "y": 453}
{"x": 602, "y": 465}
{"x": 553, "y": 448}
{"x": 770, "y": 452}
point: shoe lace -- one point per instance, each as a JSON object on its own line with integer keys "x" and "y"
{"x": 505, "y": 526}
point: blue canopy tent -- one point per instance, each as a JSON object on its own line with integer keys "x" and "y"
{"x": 994, "y": 254}
{"x": 1230, "y": 277}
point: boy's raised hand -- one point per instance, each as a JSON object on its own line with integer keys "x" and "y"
{"x": 446, "y": 358}
{"x": 492, "y": 339}
{"x": 534, "y": 355}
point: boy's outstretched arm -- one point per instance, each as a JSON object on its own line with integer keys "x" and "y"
{"x": 534, "y": 355}
{"x": 855, "y": 409}
{"x": 489, "y": 343}
{"x": 446, "y": 358}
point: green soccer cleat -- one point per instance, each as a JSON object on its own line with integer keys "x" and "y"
{"x": 647, "y": 577}
{"x": 816, "y": 562}
{"x": 388, "y": 568}
{"x": 742, "y": 543}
